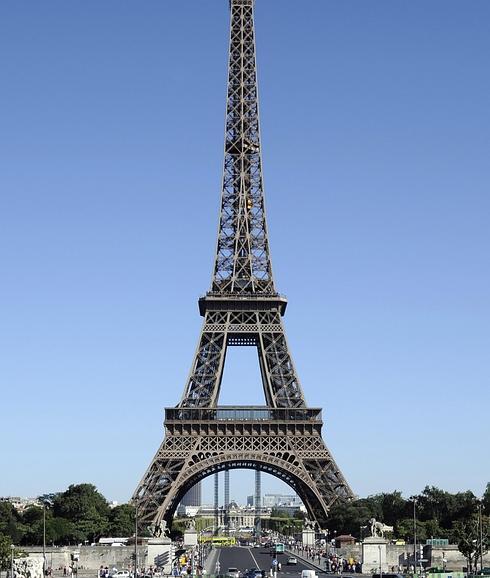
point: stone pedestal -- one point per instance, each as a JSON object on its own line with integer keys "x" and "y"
{"x": 374, "y": 555}
{"x": 190, "y": 538}
{"x": 160, "y": 554}
{"x": 308, "y": 537}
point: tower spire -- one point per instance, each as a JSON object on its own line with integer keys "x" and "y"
{"x": 242, "y": 263}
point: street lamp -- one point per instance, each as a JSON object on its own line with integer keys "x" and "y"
{"x": 480, "y": 520}
{"x": 12, "y": 548}
{"x": 414, "y": 499}
{"x": 44, "y": 538}
{"x": 135, "y": 538}
{"x": 46, "y": 502}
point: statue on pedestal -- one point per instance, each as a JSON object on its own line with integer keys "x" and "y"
{"x": 158, "y": 529}
{"x": 378, "y": 529}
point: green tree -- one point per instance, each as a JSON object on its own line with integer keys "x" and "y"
{"x": 348, "y": 518}
{"x": 61, "y": 531}
{"x": 434, "y": 530}
{"x": 436, "y": 504}
{"x": 467, "y": 535}
{"x": 121, "y": 521}
{"x": 466, "y": 505}
{"x": 5, "y": 551}
{"x": 10, "y": 523}
{"x": 486, "y": 500}
{"x": 86, "y": 508}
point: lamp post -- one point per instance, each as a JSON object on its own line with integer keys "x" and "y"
{"x": 12, "y": 548}
{"x": 135, "y": 538}
{"x": 480, "y": 520}
{"x": 44, "y": 538}
{"x": 414, "y": 499}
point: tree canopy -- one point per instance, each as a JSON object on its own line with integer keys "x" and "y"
{"x": 439, "y": 514}
{"x": 81, "y": 514}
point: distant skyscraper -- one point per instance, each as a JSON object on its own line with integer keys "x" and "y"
{"x": 193, "y": 496}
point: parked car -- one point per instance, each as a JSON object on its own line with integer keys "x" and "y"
{"x": 254, "y": 573}
{"x": 292, "y": 560}
{"x": 121, "y": 574}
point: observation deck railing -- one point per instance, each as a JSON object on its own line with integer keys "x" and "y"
{"x": 242, "y": 413}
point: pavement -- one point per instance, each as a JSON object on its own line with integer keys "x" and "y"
{"x": 318, "y": 566}
{"x": 245, "y": 558}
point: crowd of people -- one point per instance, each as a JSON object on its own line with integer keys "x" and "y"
{"x": 330, "y": 562}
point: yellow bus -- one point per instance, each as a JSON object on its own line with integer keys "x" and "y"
{"x": 221, "y": 541}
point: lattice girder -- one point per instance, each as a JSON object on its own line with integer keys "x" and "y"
{"x": 263, "y": 329}
{"x": 190, "y": 452}
{"x": 242, "y": 253}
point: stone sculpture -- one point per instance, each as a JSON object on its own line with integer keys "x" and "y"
{"x": 378, "y": 529}
{"x": 28, "y": 568}
{"x": 158, "y": 529}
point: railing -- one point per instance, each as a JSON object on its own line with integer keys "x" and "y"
{"x": 242, "y": 413}
{"x": 238, "y": 295}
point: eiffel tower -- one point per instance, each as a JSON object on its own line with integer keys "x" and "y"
{"x": 242, "y": 308}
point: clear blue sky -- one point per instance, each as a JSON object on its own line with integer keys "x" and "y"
{"x": 376, "y": 144}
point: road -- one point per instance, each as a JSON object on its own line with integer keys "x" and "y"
{"x": 244, "y": 558}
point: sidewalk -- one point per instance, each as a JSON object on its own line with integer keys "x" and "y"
{"x": 307, "y": 560}
{"x": 210, "y": 562}
{"x": 320, "y": 568}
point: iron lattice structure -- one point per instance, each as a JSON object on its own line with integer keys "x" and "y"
{"x": 241, "y": 309}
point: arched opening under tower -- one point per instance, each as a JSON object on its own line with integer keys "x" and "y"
{"x": 241, "y": 503}
{"x": 281, "y": 466}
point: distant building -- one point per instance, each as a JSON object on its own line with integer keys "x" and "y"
{"x": 276, "y": 500}
{"x": 20, "y": 504}
{"x": 344, "y": 540}
{"x": 239, "y": 518}
{"x": 192, "y": 498}
{"x": 291, "y": 510}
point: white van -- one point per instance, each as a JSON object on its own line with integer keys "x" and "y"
{"x": 308, "y": 574}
